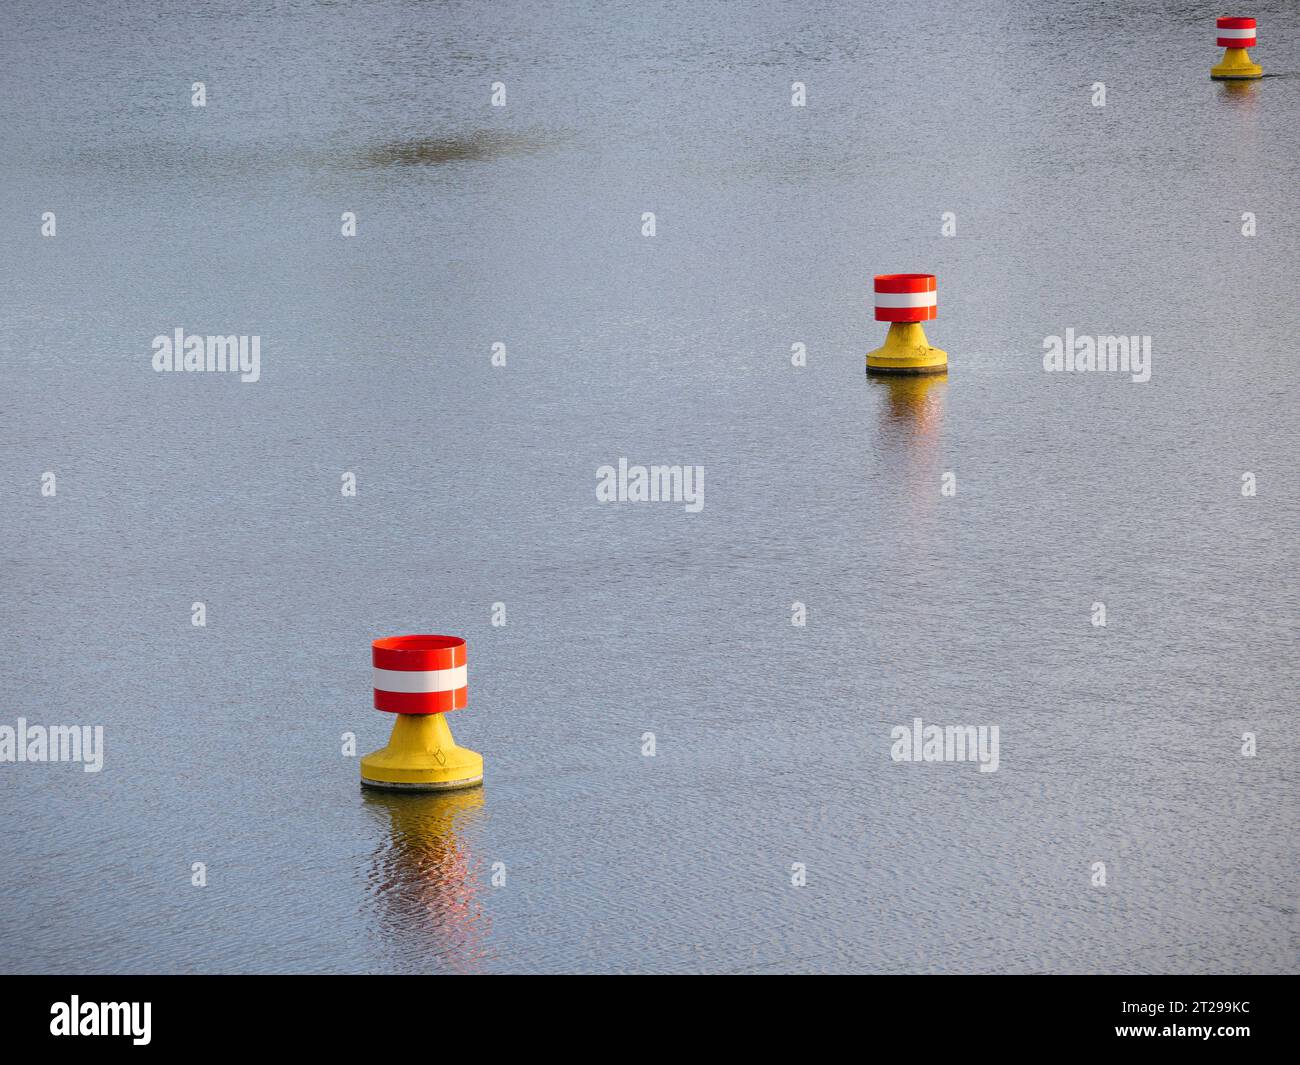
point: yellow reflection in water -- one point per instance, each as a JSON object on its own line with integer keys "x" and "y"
{"x": 908, "y": 426}
{"x": 424, "y": 879}
{"x": 914, "y": 403}
{"x": 1240, "y": 93}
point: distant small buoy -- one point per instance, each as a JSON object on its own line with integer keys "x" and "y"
{"x": 419, "y": 679}
{"x": 1235, "y": 36}
{"x": 905, "y": 301}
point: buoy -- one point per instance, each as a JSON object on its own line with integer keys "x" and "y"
{"x": 905, "y": 301}
{"x": 1235, "y": 36}
{"x": 419, "y": 679}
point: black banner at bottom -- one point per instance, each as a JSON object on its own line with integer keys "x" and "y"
{"x": 408, "y": 1015}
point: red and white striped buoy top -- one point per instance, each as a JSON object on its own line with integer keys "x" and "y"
{"x": 906, "y": 298}
{"x": 420, "y": 674}
{"x": 1236, "y": 33}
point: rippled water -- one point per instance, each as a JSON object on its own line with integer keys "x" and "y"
{"x": 522, "y": 225}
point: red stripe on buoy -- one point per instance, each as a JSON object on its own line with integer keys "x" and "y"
{"x": 905, "y": 283}
{"x": 906, "y": 314}
{"x": 421, "y": 702}
{"x": 418, "y": 652}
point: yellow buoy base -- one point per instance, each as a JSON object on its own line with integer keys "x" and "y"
{"x": 422, "y": 756}
{"x": 907, "y": 351}
{"x": 1236, "y": 64}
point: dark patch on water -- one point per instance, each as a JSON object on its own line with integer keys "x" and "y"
{"x": 170, "y": 158}
{"x": 435, "y": 151}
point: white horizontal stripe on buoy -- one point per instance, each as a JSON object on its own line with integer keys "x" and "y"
{"x": 413, "y": 681}
{"x": 907, "y": 299}
{"x": 1237, "y": 34}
